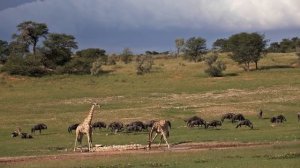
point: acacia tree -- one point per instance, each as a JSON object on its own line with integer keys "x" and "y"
{"x": 220, "y": 45}
{"x": 247, "y": 48}
{"x": 30, "y": 32}
{"x": 195, "y": 48}
{"x": 179, "y": 44}
{"x": 58, "y": 49}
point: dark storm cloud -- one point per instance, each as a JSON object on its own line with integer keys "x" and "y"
{"x": 153, "y": 24}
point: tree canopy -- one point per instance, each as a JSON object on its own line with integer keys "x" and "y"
{"x": 247, "y": 48}
{"x": 30, "y": 32}
{"x": 195, "y": 48}
{"x": 58, "y": 49}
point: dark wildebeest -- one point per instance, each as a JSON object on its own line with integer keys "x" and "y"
{"x": 72, "y": 127}
{"x": 99, "y": 125}
{"x": 213, "y": 123}
{"x": 227, "y": 116}
{"x": 14, "y": 134}
{"x": 246, "y": 123}
{"x": 39, "y": 127}
{"x": 298, "y": 117}
{"x": 115, "y": 126}
{"x": 133, "y": 128}
{"x": 281, "y": 118}
{"x": 260, "y": 114}
{"x": 195, "y": 120}
{"x": 237, "y": 117}
{"x": 136, "y": 123}
{"x": 278, "y": 119}
{"x": 26, "y": 136}
{"x": 198, "y": 122}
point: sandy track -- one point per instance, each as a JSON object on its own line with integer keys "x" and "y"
{"x": 179, "y": 147}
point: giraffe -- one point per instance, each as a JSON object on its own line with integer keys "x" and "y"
{"x": 161, "y": 127}
{"x": 86, "y": 128}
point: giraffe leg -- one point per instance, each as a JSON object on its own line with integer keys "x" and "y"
{"x": 89, "y": 136}
{"x": 75, "y": 141}
{"x": 154, "y": 137}
{"x": 165, "y": 138}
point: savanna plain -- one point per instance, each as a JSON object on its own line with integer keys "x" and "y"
{"x": 174, "y": 90}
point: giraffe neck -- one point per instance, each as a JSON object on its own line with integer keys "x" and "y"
{"x": 89, "y": 118}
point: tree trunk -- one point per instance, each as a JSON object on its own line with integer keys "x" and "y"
{"x": 34, "y": 46}
{"x": 256, "y": 66}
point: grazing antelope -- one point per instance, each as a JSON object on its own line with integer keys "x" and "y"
{"x": 213, "y": 123}
{"x": 39, "y": 127}
{"x": 278, "y": 119}
{"x": 195, "y": 120}
{"x": 99, "y": 124}
{"x": 246, "y": 123}
{"x": 72, "y": 127}
{"x": 237, "y": 117}
{"x": 160, "y": 127}
{"x": 115, "y": 126}
{"x": 227, "y": 116}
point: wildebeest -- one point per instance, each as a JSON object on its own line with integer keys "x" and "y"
{"x": 245, "y": 122}
{"x": 278, "y": 119}
{"x": 227, "y": 116}
{"x": 39, "y": 127}
{"x": 198, "y": 122}
{"x": 26, "y": 136}
{"x": 213, "y": 123}
{"x": 298, "y": 117}
{"x": 72, "y": 127}
{"x": 99, "y": 125}
{"x": 133, "y": 128}
{"x": 14, "y": 134}
{"x": 237, "y": 117}
{"x": 195, "y": 120}
{"x": 115, "y": 126}
{"x": 136, "y": 123}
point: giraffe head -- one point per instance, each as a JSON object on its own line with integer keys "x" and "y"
{"x": 96, "y": 104}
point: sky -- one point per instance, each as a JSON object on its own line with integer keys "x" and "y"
{"x": 143, "y": 25}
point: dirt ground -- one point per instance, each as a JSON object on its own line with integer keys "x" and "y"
{"x": 179, "y": 147}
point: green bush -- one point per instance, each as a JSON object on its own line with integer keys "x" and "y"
{"x": 215, "y": 68}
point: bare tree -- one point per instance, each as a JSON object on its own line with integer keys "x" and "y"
{"x": 179, "y": 42}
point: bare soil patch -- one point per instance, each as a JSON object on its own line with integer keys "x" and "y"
{"x": 178, "y": 147}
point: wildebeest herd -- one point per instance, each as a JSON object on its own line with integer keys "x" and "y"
{"x": 117, "y": 126}
{"x": 154, "y": 125}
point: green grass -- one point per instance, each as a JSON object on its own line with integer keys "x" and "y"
{"x": 173, "y": 91}
{"x": 279, "y": 155}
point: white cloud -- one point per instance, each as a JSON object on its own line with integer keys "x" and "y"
{"x": 102, "y": 22}
{"x": 195, "y": 14}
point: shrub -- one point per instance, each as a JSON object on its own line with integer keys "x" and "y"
{"x": 215, "y": 68}
{"x": 144, "y": 64}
